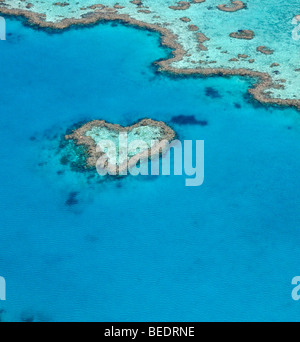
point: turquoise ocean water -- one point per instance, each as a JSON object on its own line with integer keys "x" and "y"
{"x": 145, "y": 248}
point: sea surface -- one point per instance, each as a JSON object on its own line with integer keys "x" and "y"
{"x": 141, "y": 248}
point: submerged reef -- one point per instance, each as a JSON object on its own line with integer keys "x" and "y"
{"x": 212, "y": 37}
{"x": 235, "y": 6}
{"x": 149, "y": 138}
{"x": 188, "y": 120}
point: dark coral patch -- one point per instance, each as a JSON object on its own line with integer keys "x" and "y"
{"x": 213, "y": 93}
{"x": 188, "y": 120}
{"x": 72, "y": 199}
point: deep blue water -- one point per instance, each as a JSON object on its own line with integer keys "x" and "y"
{"x": 147, "y": 248}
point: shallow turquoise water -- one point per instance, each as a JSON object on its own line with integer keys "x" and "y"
{"x": 141, "y": 249}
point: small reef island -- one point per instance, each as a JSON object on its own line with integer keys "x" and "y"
{"x": 207, "y": 37}
{"x": 141, "y": 141}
